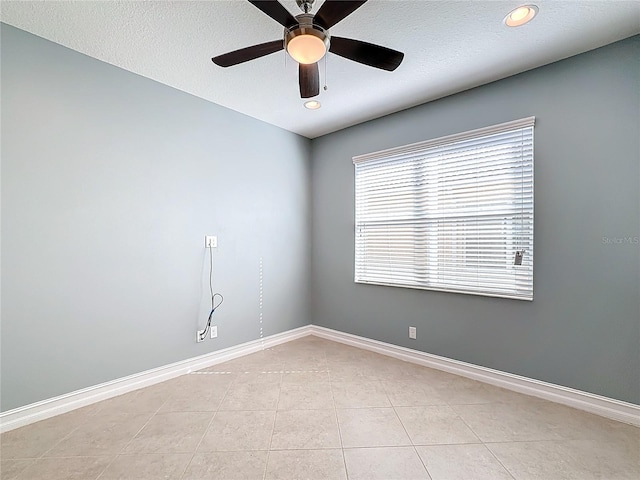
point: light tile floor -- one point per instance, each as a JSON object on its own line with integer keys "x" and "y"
{"x": 315, "y": 409}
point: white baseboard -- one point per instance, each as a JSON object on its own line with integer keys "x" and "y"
{"x": 597, "y": 404}
{"x": 44, "y": 409}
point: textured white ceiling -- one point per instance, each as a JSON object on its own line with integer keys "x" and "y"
{"x": 449, "y": 46}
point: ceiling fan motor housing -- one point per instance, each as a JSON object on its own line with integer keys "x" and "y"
{"x": 306, "y": 27}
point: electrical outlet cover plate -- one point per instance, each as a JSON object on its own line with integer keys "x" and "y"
{"x": 210, "y": 241}
{"x": 199, "y": 337}
{"x": 412, "y": 332}
{"x": 214, "y": 331}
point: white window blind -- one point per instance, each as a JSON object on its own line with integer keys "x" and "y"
{"x": 449, "y": 214}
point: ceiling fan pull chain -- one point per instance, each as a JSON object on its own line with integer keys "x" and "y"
{"x": 325, "y": 73}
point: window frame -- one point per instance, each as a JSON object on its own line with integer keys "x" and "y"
{"x": 509, "y": 240}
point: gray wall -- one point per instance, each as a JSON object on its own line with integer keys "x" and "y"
{"x": 583, "y": 328}
{"x": 109, "y": 183}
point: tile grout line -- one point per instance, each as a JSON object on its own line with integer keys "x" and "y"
{"x": 500, "y": 462}
{"x": 215, "y": 414}
{"x": 23, "y": 469}
{"x": 552, "y": 440}
{"x": 42, "y": 456}
{"x": 133, "y": 437}
{"x": 335, "y": 410}
{"x": 273, "y": 428}
{"x": 482, "y": 442}
{"x": 385, "y": 377}
{"x": 65, "y": 436}
{"x": 413, "y": 445}
{"x": 403, "y": 425}
{"x": 466, "y": 423}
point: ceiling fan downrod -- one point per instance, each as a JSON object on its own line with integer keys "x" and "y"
{"x": 305, "y": 5}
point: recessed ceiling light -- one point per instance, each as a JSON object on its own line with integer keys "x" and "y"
{"x": 312, "y": 104}
{"x": 520, "y": 15}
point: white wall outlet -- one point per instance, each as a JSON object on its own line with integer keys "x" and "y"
{"x": 412, "y": 332}
{"x": 214, "y": 331}
{"x": 210, "y": 241}
{"x": 200, "y": 336}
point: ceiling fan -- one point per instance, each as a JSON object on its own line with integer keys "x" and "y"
{"x": 307, "y": 40}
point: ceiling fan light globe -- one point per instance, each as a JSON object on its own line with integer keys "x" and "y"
{"x": 306, "y": 49}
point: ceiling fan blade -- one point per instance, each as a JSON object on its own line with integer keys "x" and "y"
{"x": 366, "y": 53}
{"x": 333, "y": 11}
{"x": 275, "y": 10}
{"x": 309, "y": 80}
{"x": 248, "y": 53}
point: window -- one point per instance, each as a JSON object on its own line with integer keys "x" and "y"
{"x": 449, "y": 214}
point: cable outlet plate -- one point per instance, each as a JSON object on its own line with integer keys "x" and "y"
{"x": 214, "y": 331}
{"x": 210, "y": 241}
{"x": 200, "y": 336}
{"x": 412, "y": 332}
